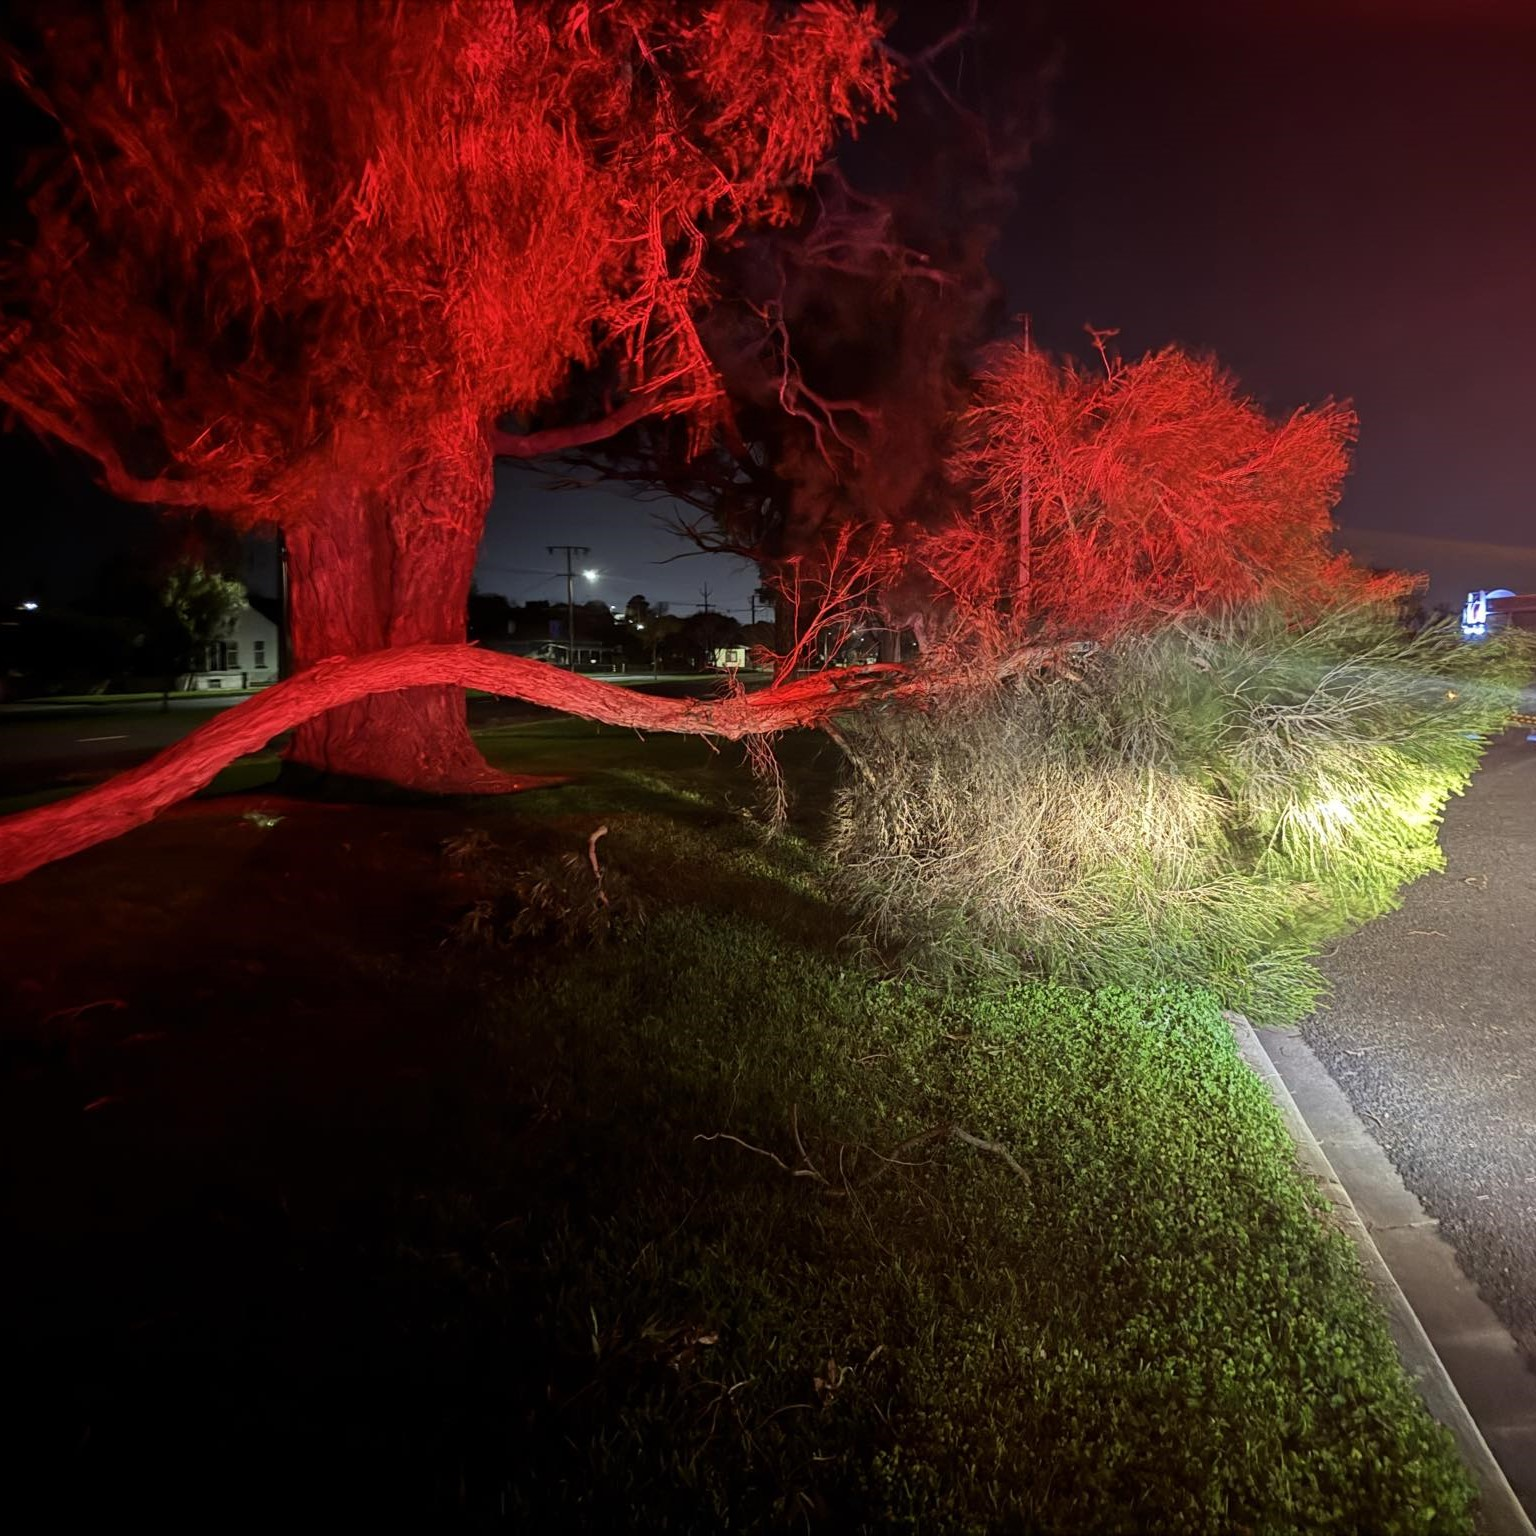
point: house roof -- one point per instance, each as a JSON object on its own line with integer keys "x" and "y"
{"x": 268, "y": 607}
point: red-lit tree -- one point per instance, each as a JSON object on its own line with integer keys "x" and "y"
{"x": 1097, "y": 499}
{"x": 298, "y": 264}
{"x": 846, "y": 339}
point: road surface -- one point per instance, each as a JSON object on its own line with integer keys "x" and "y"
{"x": 1431, "y": 1031}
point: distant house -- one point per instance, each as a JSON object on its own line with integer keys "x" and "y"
{"x": 590, "y": 657}
{"x": 246, "y": 653}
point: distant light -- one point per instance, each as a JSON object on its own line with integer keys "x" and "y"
{"x": 639, "y": 626}
{"x": 28, "y": 607}
{"x": 589, "y": 575}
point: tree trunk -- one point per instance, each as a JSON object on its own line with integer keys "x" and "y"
{"x": 379, "y": 568}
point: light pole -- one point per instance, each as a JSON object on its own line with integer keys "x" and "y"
{"x": 569, "y": 550}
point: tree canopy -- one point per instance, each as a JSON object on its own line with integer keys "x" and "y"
{"x": 1092, "y": 499}
{"x": 276, "y": 244}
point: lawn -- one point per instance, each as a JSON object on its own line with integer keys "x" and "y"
{"x": 362, "y": 1161}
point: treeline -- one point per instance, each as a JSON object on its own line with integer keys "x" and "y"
{"x": 642, "y": 633}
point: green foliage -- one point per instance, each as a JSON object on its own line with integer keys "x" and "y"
{"x": 1210, "y": 802}
{"x": 195, "y": 604}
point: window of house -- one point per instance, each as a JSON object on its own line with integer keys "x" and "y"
{"x": 231, "y": 655}
{"x": 259, "y": 653}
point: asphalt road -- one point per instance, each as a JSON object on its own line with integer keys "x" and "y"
{"x": 1431, "y": 1031}
{"x": 42, "y": 745}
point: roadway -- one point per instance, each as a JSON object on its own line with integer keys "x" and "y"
{"x": 1431, "y": 1032}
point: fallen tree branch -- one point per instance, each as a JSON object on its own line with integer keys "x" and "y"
{"x": 995, "y": 1148}
{"x": 36, "y": 837}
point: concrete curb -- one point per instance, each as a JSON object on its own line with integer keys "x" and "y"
{"x": 1500, "y": 1511}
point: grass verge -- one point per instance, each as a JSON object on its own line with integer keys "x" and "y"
{"x": 710, "y": 1227}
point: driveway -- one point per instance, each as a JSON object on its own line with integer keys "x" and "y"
{"x": 1431, "y": 1031}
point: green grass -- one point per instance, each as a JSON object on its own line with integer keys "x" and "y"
{"x": 464, "y": 1225}
{"x": 849, "y": 1317}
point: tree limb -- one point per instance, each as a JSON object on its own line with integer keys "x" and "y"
{"x": 121, "y": 481}
{"x": 535, "y": 445}
{"x": 36, "y": 837}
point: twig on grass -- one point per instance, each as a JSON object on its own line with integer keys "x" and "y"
{"x": 597, "y": 869}
{"x": 808, "y": 1172}
{"x": 895, "y": 1158}
{"x": 805, "y": 1157}
{"x": 72, "y": 1015}
{"x": 995, "y": 1148}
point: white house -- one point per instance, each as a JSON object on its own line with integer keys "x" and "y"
{"x": 244, "y": 655}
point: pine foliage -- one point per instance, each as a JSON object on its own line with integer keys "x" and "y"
{"x": 1211, "y": 801}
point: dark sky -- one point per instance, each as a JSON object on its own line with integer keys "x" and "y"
{"x": 1335, "y": 198}
{"x": 1338, "y": 197}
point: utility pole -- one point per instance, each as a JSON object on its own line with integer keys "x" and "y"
{"x": 704, "y": 593}
{"x": 284, "y": 648}
{"x": 569, "y": 551}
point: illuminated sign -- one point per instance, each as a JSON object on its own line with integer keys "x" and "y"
{"x": 1474, "y": 612}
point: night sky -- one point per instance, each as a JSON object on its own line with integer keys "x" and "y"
{"x": 1337, "y": 198}
{"x": 1334, "y": 197}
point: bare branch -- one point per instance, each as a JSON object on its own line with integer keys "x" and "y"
{"x": 536, "y": 445}
{"x": 121, "y": 481}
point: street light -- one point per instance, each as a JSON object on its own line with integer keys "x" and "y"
{"x": 589, "y": 575}
{"x": 27, "y": 607}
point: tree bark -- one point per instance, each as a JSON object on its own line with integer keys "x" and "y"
{"x": 30, "y": 839}
{"x": 374, "y": 569}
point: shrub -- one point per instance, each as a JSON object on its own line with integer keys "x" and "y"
{"x": 1211, "y": 801}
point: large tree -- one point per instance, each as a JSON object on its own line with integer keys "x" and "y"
{"x": 313, "y": 265}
